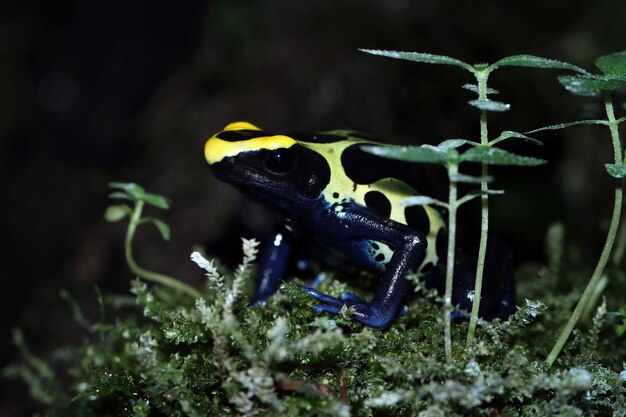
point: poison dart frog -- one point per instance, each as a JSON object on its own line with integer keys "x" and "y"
{"x": 344, "y": 204}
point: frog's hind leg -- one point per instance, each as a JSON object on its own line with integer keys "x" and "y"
{"x": 499, "y": 275}
{"x": 498, "y": 290}
{"x": 498, "y": 287}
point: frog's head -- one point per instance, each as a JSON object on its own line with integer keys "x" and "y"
{"x": 274, "y": 169}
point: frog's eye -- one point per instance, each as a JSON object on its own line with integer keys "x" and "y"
{"x": 280, "y": 161}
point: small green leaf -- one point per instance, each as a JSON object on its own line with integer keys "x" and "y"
{"x": 120, "y": 195}
{"x": 425, "y": 153}
{"x": 136, "y": 191}
{"x": 616, "y": 170}
{"x": 470, "y": 179}
{"x": 420, "y": 57}
{"x": 507, "y": 134}
{"x": 421, "y": 200}
{"x": 588, "y": 85}
{"x": 570, "y": 124}
{"x": 477, "y": 193}
{"x": 452, "y": 144}
{"x": 496, "y": 156}
{"x": 488, "y": 192}
{"x": 116, "y": 213}
{"x": 164, "y": 229}
{"x": 490, "y": 105}
{"x": 474, "y": 88}
{"x": 613, "y": 64}
{"x": 156, "y": 200}
{"x": 533, "y": 61}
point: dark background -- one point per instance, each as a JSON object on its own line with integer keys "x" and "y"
{"x": 93, "y": 91}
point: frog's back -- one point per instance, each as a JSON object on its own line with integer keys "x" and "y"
{"x": 380, "y": 185}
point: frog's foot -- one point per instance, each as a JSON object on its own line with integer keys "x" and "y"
{"x": 364, "y": 312}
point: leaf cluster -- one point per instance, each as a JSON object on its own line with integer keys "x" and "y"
{"x": 481, "y": 71}
{"x": 138, "y": 195}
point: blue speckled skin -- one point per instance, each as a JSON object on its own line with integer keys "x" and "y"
{"x": 296, "y": 184}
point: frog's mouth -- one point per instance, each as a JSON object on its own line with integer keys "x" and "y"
{"x": 249, "y": 180}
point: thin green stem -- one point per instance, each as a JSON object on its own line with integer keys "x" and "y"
{"x": 620, "y": 246}
{"x": 595, "y": 296}
{"x": 170, "y": 282}
{"x": 484, "y": 215}
{"x": 453, "y": 170}
{"x": 608, "y": 245}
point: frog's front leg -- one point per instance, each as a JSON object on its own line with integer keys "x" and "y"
{"x": 275, "y": 257}
{"x": 410, "y": 247}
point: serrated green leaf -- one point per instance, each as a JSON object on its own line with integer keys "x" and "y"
{"x": 507, "y": 134}
{"x": 116, "y": 213}
{"x": 496, "y": 156}
{"x": 588, "y": 85}
{"x": 616, "y": 170}
{"x": 570, "y": 124}
{"x": 425, "y": 153}
{"x": 164, "y": 229}
{"x": 474, "y": 88}
{"x": 490, "y": 105}
{"x": 612, "y": 64}
{"x": 420, "y": 57}
{"x": 421, "y": 200}
{"x": 157, "y": 201}
{"x": 470, "y": 179}
{"x": 533, "y": 61}
{"x": 136, "y": 191}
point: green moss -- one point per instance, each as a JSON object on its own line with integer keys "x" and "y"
{"x": 167, "y": 354}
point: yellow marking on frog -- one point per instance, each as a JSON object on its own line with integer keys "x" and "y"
{"x": 241, "y": 126}
{"x": 339, "y": 181}
{"x": 396, "y": 191}
{"x": 393, "y": 189}
{"x": 217, "y": 149}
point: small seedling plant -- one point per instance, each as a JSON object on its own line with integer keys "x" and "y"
{"x": 482, "y": 151}
{"x": 613, "y": 77}
{"x": 138, "y": 197}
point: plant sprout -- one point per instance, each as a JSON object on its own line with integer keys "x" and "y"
{"x": 483, "y": 151}
{"x": 446, "y": 154}
{"x": 139, "y": 197}
{"x": 613, "y": 76}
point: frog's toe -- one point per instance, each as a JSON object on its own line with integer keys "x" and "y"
{"x": 363, "y": 311}
{"x": 326, "y": 299}
{"x": 325, "y": 308}
{"x": 317, "y": 281}
{"x": 350, "y": 296}
{"x": 360, "y": 309}
{"x": 257, "y": 302}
